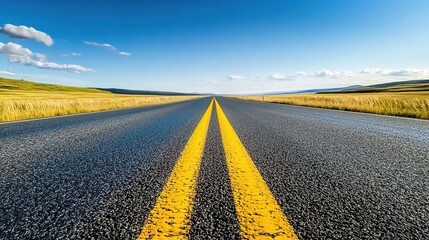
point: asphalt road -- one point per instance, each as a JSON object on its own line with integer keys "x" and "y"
{"x": 335, "y": 175}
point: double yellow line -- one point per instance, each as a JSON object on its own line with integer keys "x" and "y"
{"x": 259, "y": 214}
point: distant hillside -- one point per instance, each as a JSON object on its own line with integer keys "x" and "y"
{"x": 402, "y": 86}
{"x": 22, "y": 85}
{"x": 145, "y": 92}
{"x": 313, "y": 90}
{"x": 328, "y": 89}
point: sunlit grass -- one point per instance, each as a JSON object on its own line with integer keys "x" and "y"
{"x": 406, "y": 104}
{"x": 25, "y": 100}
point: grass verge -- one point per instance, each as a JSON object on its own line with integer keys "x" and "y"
{"x": 21, "y": 100}
{"x": 405, "y": 104}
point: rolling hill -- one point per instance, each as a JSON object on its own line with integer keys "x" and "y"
{"x": 23, "y": 85}
{"x": 401, "y": 86}
{"x": 146, "y": 92}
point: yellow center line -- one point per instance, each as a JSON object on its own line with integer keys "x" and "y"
{"x": 170, "y": 217}
{"x": 259, "y": 214}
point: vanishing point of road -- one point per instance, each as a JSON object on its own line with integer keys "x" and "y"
{"x": 215, "y": 169}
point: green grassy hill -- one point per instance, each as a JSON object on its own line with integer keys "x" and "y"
{"x": 13, "y": 85}
{"x": 22, "y": 85}
{"x": 403, "y": 86}
{"x": 146, "y": 92}
{"x": 21, "y": 99}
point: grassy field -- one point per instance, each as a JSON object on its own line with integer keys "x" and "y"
{"x": 25, "y": 100}
{"x": 407, "y": 104}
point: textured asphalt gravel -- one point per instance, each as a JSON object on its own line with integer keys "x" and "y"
{"x": 213, "y": 215}
{"x": 89, "y": 176}
{"x": 339, "y": 175}
{"x": 336, "y": 175}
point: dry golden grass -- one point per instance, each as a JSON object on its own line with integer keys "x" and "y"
{"x": 406, "y": 104}
{"x": 36, "y": 105}
{"x": 25, "y": 100}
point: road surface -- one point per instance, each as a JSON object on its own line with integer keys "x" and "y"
{"x": 224, "y": 169}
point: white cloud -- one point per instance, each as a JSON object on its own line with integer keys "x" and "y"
{"x": 408, "y": 72}
{"x": 372, "y": 70}
{"x": 301, "y": 74}
{"x": 397, "y": 72}
{"x": 332, "y": 74}
{"x": 124, "y": 53}
{"x": 71, "y": 54}
{"x": 278, "y": 76}
{"x": 7, "y": 73}
{"x": 39, "y": 56}
{"x": 108, "y": 46}
{"x": 13, "y": 48}
{"x": 15, "y": 53}
{"x": 235, "y": 77}
{"x": 295, "y": 76}
{"x": 105, "y": 45}
{"x": 24, "y": 32}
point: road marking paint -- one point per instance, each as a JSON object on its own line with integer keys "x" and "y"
{"x": 259, "y": 214}
{"x": 170, "y": 217}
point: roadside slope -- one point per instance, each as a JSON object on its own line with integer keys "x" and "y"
{"x": 405, "y": 99}
{"x": 21, "y": 100}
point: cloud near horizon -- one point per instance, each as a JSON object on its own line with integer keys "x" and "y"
{"x": 328, "y": 74}
{"x": 7, "y": 73}
{"x": 24, "y": 32}
{"x": 397, "y": 72}
{"x": 235, "y": 77}
{"x": 278, "y": 76}
{"x": 319, "y": 74}
{"x": 301, "y": 74}
{"x": 332, "y": 74}
{"x": 15, "y": 53}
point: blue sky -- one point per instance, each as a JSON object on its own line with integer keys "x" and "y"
{"x": 217, "y": 46}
